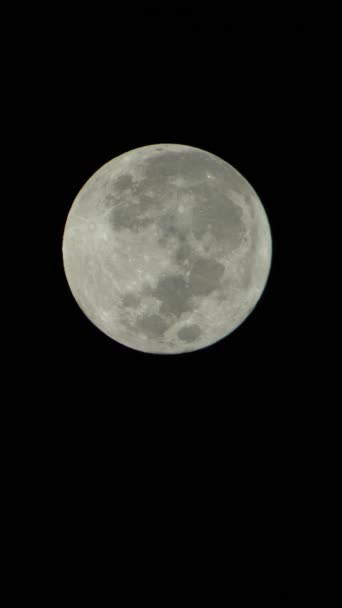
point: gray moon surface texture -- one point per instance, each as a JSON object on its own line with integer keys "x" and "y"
{"x": 167, "y": 249}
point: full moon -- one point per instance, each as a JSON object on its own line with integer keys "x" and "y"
{"x": 167, "y": 249}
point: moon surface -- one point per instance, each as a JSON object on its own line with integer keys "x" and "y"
{"x": 167, "y": 249}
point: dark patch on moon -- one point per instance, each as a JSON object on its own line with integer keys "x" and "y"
{"x": 128, "y": 216}
{"x": 132, "y": 212}
{"x": 164, "y": 166}
{"x": 132, "y": 207}
{"x": 205, "y": 276}
{"x": 130, "y": 300}
{"x": 222, "y": 296}
{"x": 222, "y": 214}
{"x": 189, "y": 333}
{"x": 192, "y": 164}
{"x": 167, "y": 223}
{"x": 183, "y": 253}
{"x": 174, "y": 294}
{"x": 123, "y": 182}
{"x": 153, "y": 325}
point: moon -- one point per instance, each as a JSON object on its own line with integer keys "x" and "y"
{"x": 167, "y": 249}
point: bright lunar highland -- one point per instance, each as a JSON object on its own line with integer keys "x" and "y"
{"x": 167, "y": 249}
